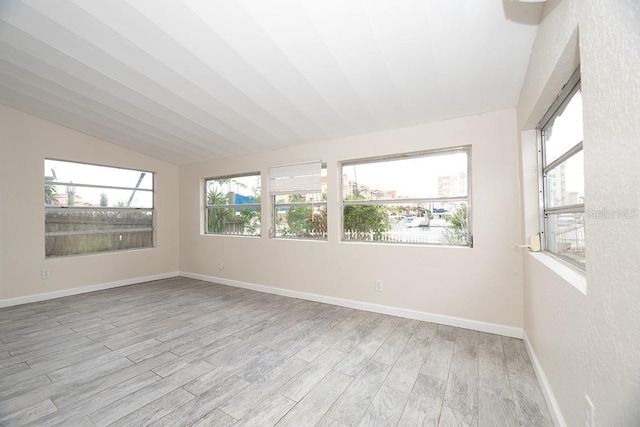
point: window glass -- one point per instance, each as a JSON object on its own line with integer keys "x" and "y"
{"x": 91, "y": 208}
{"x": 562, "y": 160}
{"x": 565, "y": 182}
{"x": 233, "y": 205}
{"x": 565, "y": 236}
{"x": 412, "y": 198}
{"x": 443, "y": 174}
{"x": 565, "y": 129}
{"x": 302, "y": 216}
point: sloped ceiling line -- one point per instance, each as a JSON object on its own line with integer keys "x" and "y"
{"x": 193, "y": 80}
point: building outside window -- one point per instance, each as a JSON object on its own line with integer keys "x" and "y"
{"x": 418, "y": 198}
{"x": 90, "y": 208}
{"x": 562, "y": 176}
{"x": 232, "y": 205}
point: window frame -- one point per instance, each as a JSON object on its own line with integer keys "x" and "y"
{"x": 312, "y": 204}
{"x": 257, "y": 206}
{"x": 466, "y": 149}
{"x": 564, "y": 97}
{"x": 104, "y": 210}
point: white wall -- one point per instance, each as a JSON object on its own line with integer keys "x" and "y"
{"x": 482, "y": 284}
{"x": 589, "y": 344}
{"x": 25, "y": 141}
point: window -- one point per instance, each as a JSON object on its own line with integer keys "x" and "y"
{"x": 91, "y": 208}
{"x": 562, "y": 172}
{"x": 299, "y": 194}
{"x": 410, "y": 198}
{"x": 233, "y": 205}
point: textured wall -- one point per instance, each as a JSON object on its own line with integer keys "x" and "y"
{"x": 483, "y": 283}
{"x": 25, "y": 141}
{"x": 590, "y": 344}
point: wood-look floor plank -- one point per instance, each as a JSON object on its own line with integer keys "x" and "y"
{"x": 116, "y": 410}
{"x": 385, "y": 409}
{"x": 447, "y": 333}
{"x": 450, "y": 417}
{"x": 408, "y": 365}
{"x": 496, "y": 411}
{"x": 424, "y": 403}
{"x": 205, "y": 353}
{"x": 185, "y": 352}
{"x": 438, "y": 360}
{"x": 215, "y": 418}
{"x": 89, "y": 390}
{"x": 316, "y": 403}
{"x": 78, "y": 410}
{"x": 390, "y": 350}
{"x": 494, "y": 377}
{"x": 29, "y": 414}
{"x": 302, "y": 383}
{"x": 217, "y": 372}
{"x": 268, "y": 412}
{"x": 327, "y": 421}
{"x": 360, "y": 355}
{"x": 156, "y": 409}
{"x": 204, "y": 404}
{"x": 516, "y": 355}
{"x": 530, "y": 403}
{"x": 23, "y": 387}
{"x": 57, "y": 351}
{"x": 355, "y": 400}
{"x": 354, "y": 336}
{"x": 243, "y": 402}
{"x": 462, "y": 386}
{"x": 12, "y": 369}
{"x": 490, "y": 347}
{"x": 320, "y": 344}
{"x": 42, "y": 344}
{"x": 467, "y": 344}
{"x": 254, "y": 369}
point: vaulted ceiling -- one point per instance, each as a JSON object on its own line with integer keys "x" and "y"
{"x": 192, "y": 80}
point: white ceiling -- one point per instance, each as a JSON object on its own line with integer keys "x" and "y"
{"x": 192, "y": 80}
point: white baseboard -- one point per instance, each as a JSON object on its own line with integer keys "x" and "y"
{"x": 552, "y": 403}
{"x": 83, "y": 289}
{"x": 492, "y": 328}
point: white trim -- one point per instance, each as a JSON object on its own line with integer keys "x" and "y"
{"x": 552, "y": 403}
{"x": 491, "y": 328}
{"x": 83, "y": 289}
{"x": 569, "y": 274}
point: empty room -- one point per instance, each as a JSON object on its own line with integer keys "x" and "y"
{"x": 320, "y": 213}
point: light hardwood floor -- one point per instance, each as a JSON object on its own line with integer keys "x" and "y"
{"x": 181, "y": 352}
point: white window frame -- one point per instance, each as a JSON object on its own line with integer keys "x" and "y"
{"x": 207, "y": 206}
{"x": 572, "y": 86}
{"x": 436, "y": 152}
{"x": 296, "y": 179}
{"x": 96, "y": 211}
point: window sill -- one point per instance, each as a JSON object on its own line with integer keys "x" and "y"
{"x": 298, "y": 239}
{"x": 575, "y": 278}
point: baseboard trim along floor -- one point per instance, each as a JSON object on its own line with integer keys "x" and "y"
{"x": 458, "y": 322}
{"x": 547, "y": 391}
{"x": 84, "y": 289}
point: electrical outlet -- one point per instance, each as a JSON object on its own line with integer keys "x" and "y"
{"x": 589, "y": 413}
{"x": 221, "y": 265}
{"x": 378, "y": 285}
{"x": 45, "y": 273}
